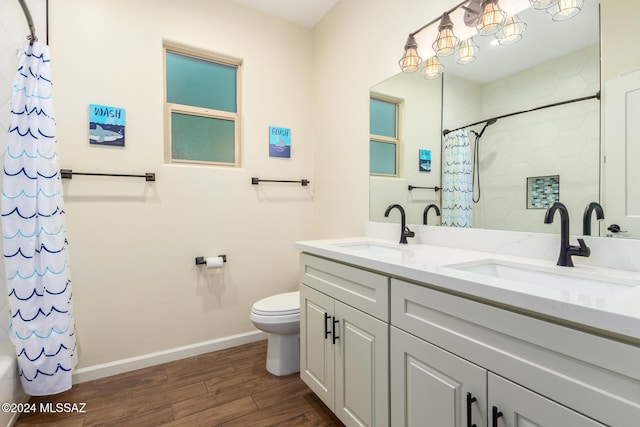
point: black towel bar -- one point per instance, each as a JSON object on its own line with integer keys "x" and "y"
{"x": 411, "y": 187}
{"x": 68, "y": 174}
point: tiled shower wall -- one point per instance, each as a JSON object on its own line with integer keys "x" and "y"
{"x": 563, "y": 140}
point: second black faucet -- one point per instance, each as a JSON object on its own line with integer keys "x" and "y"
{"x": 567, "y": 250}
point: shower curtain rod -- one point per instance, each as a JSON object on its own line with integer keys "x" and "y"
{"x": 27, "y": 14}
{"x": 555, "y": 104}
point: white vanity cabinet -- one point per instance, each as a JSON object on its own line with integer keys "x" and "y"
{"x": 534, "y": 372}
{"x": 412, "y": 353}
{"x": 433, "y": 384}
{"x": 344, "y": 340}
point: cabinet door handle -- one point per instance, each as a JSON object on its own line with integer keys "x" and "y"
{"x": 494, "y": 416}
{"x": 326, "y": 326}
{"x": 470, "y": 400}
{"x": 335, "y": 336}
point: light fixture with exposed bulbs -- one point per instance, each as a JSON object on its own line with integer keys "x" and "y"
{"x": 447, "y": 42}
{"x": 488, "y": 19}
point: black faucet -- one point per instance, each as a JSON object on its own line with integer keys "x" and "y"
{"x": 586, "y": 218}
{"x": 566, "y": 249}
{"x": 404, "y": 230}
{"x": 426, "y": 212}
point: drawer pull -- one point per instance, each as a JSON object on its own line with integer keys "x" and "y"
{"x": 335, "y": 336}
{"x": 326, "y": 327}
{"x": 470, "y": 400}
{"x": 495, "y": 415}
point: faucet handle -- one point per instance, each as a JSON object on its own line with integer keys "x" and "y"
{"x": 585, "y": 251}
{"x": 408, "y": 232}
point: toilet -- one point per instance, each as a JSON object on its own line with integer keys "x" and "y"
{"x": 279, "y": 315}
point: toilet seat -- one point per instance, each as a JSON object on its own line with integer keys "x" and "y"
{"x": 286, "y": 304}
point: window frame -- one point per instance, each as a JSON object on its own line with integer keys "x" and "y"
{"x": 169, "y": 108}
{"x": 385, "y": 139}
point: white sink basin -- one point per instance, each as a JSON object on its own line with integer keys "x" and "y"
{"x": 375, "y": 248}
{"x": 564, "y": 280}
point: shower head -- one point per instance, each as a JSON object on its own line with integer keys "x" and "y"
{"x": 486, "y": 125}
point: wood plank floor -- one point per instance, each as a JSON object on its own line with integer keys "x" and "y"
{"x": 224, "y": 388}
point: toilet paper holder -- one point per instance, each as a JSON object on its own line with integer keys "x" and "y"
{"x": 203, "y": 260}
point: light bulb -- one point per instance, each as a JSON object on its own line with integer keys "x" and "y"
{"x": 467, "y": 52}
{"x": 512, "y": 31}
{"x": 561, "y": 10}
{"x": 491, "y": 18}
{"x": 433, "y": 69}
{"x": 411, "y": 59}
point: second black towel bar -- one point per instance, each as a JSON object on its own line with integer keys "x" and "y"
{"x": 256, "y": 181}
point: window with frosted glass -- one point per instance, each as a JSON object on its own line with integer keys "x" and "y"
{"x": 202, "y": 109}
{"x": 383, "y": 144}
{"x": 203, "y": 139}
{"x": 382, "y": 158}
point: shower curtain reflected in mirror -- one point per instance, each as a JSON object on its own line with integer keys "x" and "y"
{"x": 457, "y": 181}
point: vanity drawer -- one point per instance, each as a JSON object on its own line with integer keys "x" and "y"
{"x": 362, "y": 289}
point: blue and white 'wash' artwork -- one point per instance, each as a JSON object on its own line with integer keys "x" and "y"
{"x": 457, "y": 180}
{"x": 34, "y": 233}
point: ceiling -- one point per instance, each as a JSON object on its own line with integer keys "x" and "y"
{"x": 303, "y": 12}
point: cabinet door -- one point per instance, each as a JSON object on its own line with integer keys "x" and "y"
{"x": 516, "y": 406}
{"x": 431, "y": 386}
{"x": 362, "y": 368}
{"x": 316, "y": 345}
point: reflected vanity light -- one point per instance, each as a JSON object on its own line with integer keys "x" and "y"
{"x": 447, "y": 42}
{"x": 541, "y": 4}
{"x": 561, "y": 10}
{"x": 467, "y": 52}
{"x": 411, "y": 60}
{"x": 433, "y": 68}
{"x": 512, "y": 31}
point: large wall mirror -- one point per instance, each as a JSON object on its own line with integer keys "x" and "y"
{"x": 522, "y": 162}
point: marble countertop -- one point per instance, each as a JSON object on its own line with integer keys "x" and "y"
{"x": 611, "y": 304}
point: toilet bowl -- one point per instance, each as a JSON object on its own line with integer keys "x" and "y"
{"x": 279, "y": 315}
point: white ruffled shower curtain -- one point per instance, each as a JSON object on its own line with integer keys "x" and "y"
{"x": 457, "y": 180}
{"x": 34, "y": 233}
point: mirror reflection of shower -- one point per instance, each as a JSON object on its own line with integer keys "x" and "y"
{"x": 475, "y": 179}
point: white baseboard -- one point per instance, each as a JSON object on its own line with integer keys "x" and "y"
{"x": 90, "y": 373}
{"x": 24, "y": 398}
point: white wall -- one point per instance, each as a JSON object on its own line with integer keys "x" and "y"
{"x": 133, "y": 244}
